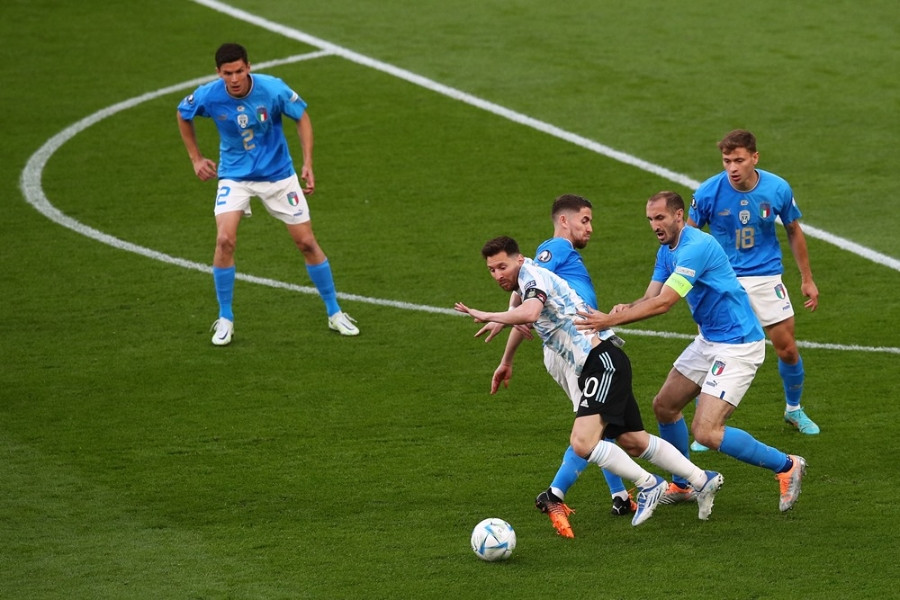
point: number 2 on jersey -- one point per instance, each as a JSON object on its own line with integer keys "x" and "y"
{"x": 247, "y": 134}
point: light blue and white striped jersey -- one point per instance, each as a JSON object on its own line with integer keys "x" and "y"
{"x": 744, "y": 222}
{"x": 718, "y": 302}
{"x": 252, "y": 146}
{"x": 556, "y": 323}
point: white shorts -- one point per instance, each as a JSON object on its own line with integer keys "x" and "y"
{"x": 283, "y": 199}
{"x": 564, "y": 375}
{"x": 721, "y": 370}
{"x": 769, "y": 298}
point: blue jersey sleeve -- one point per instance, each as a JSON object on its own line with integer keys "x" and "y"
{"x": 560, "y": 257}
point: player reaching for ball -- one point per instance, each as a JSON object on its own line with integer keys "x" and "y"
{"x": 254, "y": 160}
{"x": 602, "y": 372}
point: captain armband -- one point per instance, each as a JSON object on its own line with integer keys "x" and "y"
{"x": 533, "y": 292}
{"x": 679, "y": 283}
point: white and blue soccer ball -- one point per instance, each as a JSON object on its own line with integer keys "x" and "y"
{"x": 493, "y": 539}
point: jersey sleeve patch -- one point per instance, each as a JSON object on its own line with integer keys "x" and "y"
{"x": 534, "y": 292}
{"x": 679, "y": 283}
{"x": 685, "y": 271}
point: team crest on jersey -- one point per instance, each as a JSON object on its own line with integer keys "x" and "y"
{"x": 693, "y": 202}
{"x": 190, "y": 99}
{"x": 544, "y": 256}
{"x": 243, "y": 120}
{"x": 765, "y": 210}
{"x": 744, "y": 217}
{"x": 718, "y": 368}
{"x": 293, "y": 199}
{"x": 262, "y": 115}
{"x": 780, "y": 292}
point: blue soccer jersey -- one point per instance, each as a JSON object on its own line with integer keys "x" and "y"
{"x": 744, "y": 222}
{"x": 558, "y": 255}
{"x": 556, "y": 323}
{"x": 718, "y": 302}
{"x": 252, "y": 144}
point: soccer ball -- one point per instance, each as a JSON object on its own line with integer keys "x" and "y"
{"x": 493, "y": 539}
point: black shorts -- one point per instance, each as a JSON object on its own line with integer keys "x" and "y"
{"x": 605, "y": 385}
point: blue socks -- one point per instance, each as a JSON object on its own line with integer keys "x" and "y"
{"x": 224, "y": 280}
{"x": 741, "y": 445}
{"x": 676, "y": 434}
{"x": 792, "y": 377}
{"x": 320, "y": 275}
{"x": 571, "y": 467}
{"x": 324, "y": 282}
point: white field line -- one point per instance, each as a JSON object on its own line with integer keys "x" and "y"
{"x": 30, "y": 181}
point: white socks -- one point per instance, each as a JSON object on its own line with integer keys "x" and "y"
{"x": 609, "y": 456}
{"x": 664, "y": 455}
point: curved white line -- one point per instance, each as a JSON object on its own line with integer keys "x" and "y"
{"x": 30, "y": 181}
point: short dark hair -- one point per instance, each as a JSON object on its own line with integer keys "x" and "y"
{"x": 569, "y": 202}
{"x": 498, "y": 245}
{"x": 674, "y": 202}
{"x": 739, "y": 138}
{"x": 230, "y": 52}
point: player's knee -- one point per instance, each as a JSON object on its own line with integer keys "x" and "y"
{"x": 581, "y": 445}
{"x": 788, "y": 353}
{"x": 225, "y": 244}
{"x": 663, "y": 410}
{"x": 711, "y": 437}
{"x": 633, "y": 444}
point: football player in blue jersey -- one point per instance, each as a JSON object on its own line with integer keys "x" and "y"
{"x": 718, "y": 367}
{"x": 741, "y": 205}
{"x": 605, "y": 404}
{"x": 254, "y": 160}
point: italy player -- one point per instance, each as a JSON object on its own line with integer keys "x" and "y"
{"x": 254, "y": 160}
{"x": 718, "y": 367}
{"x": 741, "y": 205}
{"x": 606, "y": 406}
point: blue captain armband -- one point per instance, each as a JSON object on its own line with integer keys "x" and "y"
{"x": 679, "y": 283}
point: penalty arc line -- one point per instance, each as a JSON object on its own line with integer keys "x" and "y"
{"x": 30, "y": 184}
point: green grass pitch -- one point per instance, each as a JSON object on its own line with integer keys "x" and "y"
{"x": 138, "y": 461}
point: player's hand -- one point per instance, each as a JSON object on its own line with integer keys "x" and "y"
{"x": 479, "y": 315}
{"x": 308, "y": 180}
{"x": 811, "y": 293}
{"x": 592, "y": 320}
{"x": 618, "y": 308}
{"x": 525, "y": 330}
{"x": 502, "y": 374}
{"x": 492, "y": 329}
{"x": 204, "y": 168}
